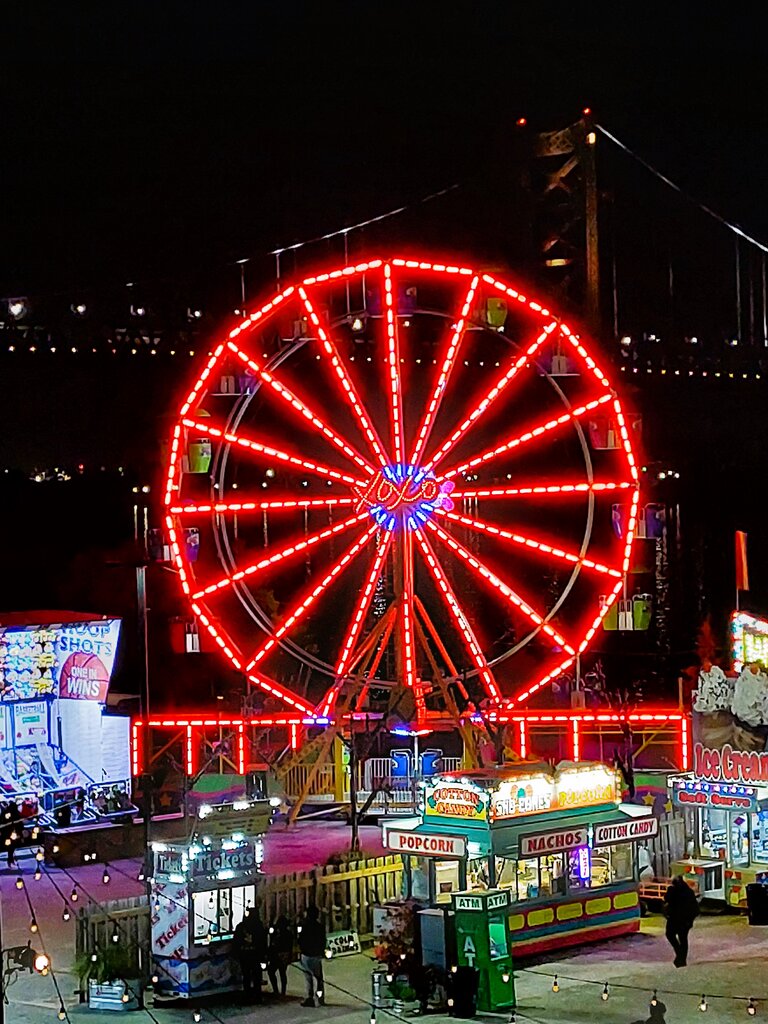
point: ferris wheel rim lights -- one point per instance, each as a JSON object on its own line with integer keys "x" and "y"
{"x": 406, "y": 501}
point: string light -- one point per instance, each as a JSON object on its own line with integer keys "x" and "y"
{"x": 62, "y": 1014}
{"x": 38, "y": 874}
{"x": 555, "y": 985}
{"x": 197, "y": 1016}
{"x": 154, "y": 979}
{"x": 654, "y": 999}
{"x": 703, "y": 1004}
{"x": 751, "y": 1008}
{"x": 73, "y": 894}
{"x": 65, "y": 914}
{"x": 39, "y": 856}
{"x": 605, "y": 993}
{"x": 19, "y": 882}
{"x": 106, "y": 876}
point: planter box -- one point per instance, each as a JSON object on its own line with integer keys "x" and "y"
{"x": 108, "y": 995}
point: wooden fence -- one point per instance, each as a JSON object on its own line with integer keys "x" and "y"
{"x": 668, "y": 845}
{"x": 346, "y": 894}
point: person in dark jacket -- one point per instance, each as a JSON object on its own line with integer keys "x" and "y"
{"x": 280, "y": 953}
{"x": 249, "y": 944}
{"x": 681, "y": 908}
{"x": 312, "y": 949}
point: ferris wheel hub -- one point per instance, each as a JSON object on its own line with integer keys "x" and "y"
{"x": 403, "y": 495}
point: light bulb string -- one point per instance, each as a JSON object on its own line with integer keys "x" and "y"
{"x": 119, "y": 927}
{"x": 51, "y": 971}
{"x": 656, "y": 992}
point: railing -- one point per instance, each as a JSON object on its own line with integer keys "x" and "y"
{"x": 322, "y": 784}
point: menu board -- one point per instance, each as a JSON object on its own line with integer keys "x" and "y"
{"x": 70, "y": 660}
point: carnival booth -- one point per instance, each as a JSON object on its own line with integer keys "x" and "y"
{"x": 60, "y": 752}
{"x": 200, "y": 891}
{"x": 559, "y": 842}
{"x": 727, "y": 822}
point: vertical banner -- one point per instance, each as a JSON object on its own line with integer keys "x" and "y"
{"x": 742, "y": 571}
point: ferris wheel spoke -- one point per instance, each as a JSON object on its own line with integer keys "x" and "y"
{"x": 278, "y": 556}
{"x": 459, "y": 617}
{"x": 542, "y": 490}
{"x": 490, "y": 396}
{"x": 250, "y": 444}
{"x": 357, "y": 622}
{"x": 303, "y": 409}
{"x": 540, "y": 547}
{"x": 348, "y": 388}
{"x": 300, "y": 609}
{"x": 273, "y": 505}
{"x": 275, "y": 690}
{"x": 504, "y": 589}
{"x": 393, "y": 364}
{"x": 530, "y": 435}
{"x": 449, "y": 361}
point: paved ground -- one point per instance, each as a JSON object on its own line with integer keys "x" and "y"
{"x": 728, "y": 958}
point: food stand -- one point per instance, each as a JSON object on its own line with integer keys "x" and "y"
{"x": 560, "y": 842}
{"x": 200, "y": 891}
{"x": 728, "y": 825}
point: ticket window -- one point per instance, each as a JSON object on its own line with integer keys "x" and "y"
{"x": 534, "y": 878}
{"x": 714, "y": 840}
{"x": 218, "y": 912}
{"x": 478, "y": 873}
{"x": 606, "y": 865}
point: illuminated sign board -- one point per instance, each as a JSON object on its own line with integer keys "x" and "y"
{"x": 554, "y": 842}
{"x": 447, "y": 799}
{"x": 422, "y": 845}
{"x": 696, "y": 793}
{"x": 729, "y": 765}
{"x": 228, "y": 859}
{"x": 517, "y": 798}
{"x": 749, "y": 636}
{"x": 609, "y": 833}
{"x": 72, "y": 660}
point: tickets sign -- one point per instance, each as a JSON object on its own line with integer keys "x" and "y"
{"x": 555, "y": 841}
{"x": 421, "y": 845}
{"x": 610, "y": 833}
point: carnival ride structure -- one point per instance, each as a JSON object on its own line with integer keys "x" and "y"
{"x": 384, "y": 495}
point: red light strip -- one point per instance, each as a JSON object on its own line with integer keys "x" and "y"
{"x": 440, "y": 268}
{"x": 221, "y": 507}
{"x": 273, "y": 688}
{"x": 301, "y": 609}
{"x": 527, "y": 542}
{"x": 573, "y": 339}
{"x": 254, "y": 318}
{"x": 301, "y": 407}
{"x": 359, "y": 268}
{"x": 393, "y": 361}
{"x": 171, "y": 483}
{"x": 523, "y": 739}
{"x": 529, "y": 435}
{"x": 409, "y": 664}
{"x": 490, "y": 397}
{"x": 274, "y": 453}
{"x": 286, "y": 552}
{"x": 575, "y": 737}
{"x": 240, "y": 750}
{"x": 135, "y": 759}
{"x": 347, "y": 386}
{"x": 190, "y": 760}
{"x": 558, "y": 671}
{"x": 294, "y": 736}
{"x": 685, "y": 746}
{"x": 502, "y": 588}
{"x": 539, "y": 489}
{"x": 449, "y": 361}
{"x": 625, "y": 439}
{"x": 459, "y": 618}
{"x": 358, "y": 621}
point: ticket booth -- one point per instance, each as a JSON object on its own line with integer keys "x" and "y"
{"x": 481, "y": 923}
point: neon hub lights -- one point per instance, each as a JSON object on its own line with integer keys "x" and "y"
{"x": 371, "y": 476}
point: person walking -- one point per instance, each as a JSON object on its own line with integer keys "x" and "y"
{"x": 681, "y": 908}
{"x": 280, "y": 953}
{"x": 312, "y": 949}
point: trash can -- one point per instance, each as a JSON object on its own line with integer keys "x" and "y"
{"x": 757, "y": 903}
{"x": 464, "y": 992}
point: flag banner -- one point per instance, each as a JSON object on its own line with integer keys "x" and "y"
{"x": 742, "y": 571}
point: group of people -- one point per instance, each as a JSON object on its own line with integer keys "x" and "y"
{"x": 733, "y": 711}
{"x": 258, "y": 948}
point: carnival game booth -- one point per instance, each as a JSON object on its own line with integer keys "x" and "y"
{"x": 58, "y": 747}
{"x": 200, "y": 891}
{"x": 560, "y": 842}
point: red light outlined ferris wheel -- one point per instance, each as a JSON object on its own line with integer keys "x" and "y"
{"x": 389, "y": 471}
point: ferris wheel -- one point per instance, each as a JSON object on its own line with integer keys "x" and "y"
{"x": 389, "y": 473}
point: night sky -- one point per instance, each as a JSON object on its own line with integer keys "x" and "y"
{"x": 159, "y": 143}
